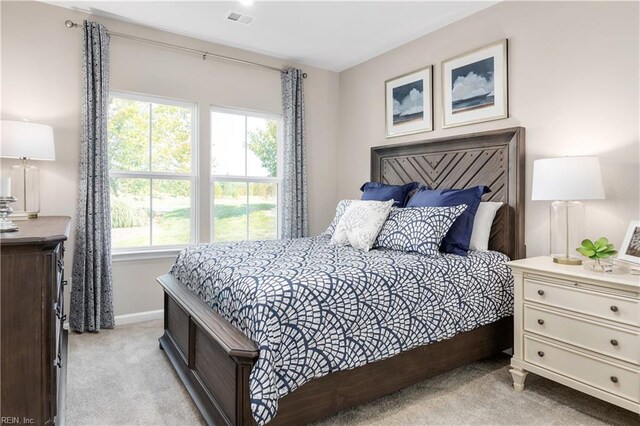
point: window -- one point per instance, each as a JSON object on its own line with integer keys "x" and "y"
{"x": 151, "y": 167}
{"x": 245, "y": 175}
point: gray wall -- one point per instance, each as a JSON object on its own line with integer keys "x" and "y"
{"x": 573, "y": 83}
{"x": 41, "y": 67}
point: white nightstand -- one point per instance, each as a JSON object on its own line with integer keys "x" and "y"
{"x": 578, "y": 328}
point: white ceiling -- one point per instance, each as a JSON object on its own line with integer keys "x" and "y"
{"x": 334, "y": 35}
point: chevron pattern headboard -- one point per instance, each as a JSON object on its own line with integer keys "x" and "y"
{"x": 494, "y": 158}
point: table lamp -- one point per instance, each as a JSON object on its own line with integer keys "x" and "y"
{"x": 27, "y": 141}
{"x": 566, "y": 181}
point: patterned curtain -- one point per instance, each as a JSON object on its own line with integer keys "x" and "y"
{"x": 91, "y": 292}
{"x": 295, "y": 220}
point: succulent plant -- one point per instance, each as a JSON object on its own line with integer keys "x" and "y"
{"x": 600, "y": 249}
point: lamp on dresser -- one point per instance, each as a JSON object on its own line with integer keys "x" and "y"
{"x": 567, "y": 181}
{"x": 27, "y": 141}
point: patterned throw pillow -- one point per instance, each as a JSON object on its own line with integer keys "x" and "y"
{"x": 361, "y": 223}
{"x": 457, "y": 239}
{"x": 340, "y": 208}
{"x": 418, "y": 229}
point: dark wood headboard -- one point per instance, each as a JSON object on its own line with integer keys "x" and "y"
{"x": 494, "y": 159}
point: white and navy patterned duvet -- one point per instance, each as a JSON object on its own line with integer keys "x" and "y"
{"x": 314, "y": 308}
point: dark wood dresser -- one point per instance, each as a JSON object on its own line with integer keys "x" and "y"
{"x": 34, "y": 343}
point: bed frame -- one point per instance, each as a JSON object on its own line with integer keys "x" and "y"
{"x": 213, "y": 358}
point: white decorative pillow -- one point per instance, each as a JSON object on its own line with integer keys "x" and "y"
{"x": 418, "y": 229}
{"x": 482, "y": 225}
{"x": 361, "y": 223}
{"x": 340, "y": 209}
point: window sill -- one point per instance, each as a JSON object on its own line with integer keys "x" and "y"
{"x": 125, "y": 256}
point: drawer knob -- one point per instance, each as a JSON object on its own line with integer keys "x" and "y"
{"x": 614, "y": 379}
{"x": 541, "y": 292}
{"x": 614, "y": 308}
{"x": 540, "y": 321}
{"x": 614, "y": 342}
{"x": 540, "y": 354}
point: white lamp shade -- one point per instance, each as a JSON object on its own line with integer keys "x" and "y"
{"x": 23, "y": 139}
{"x": 567, "y": 178}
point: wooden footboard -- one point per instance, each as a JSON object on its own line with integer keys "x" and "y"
{"x": 214, "y": 359}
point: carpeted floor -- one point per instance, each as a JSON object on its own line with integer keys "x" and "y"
{"x": 120, "y": 377}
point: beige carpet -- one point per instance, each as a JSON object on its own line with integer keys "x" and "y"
{"x": 121, "y": 377}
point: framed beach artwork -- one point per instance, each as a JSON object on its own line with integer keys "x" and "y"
{"x": 409, "y": 103}
{"x": 630, "y": 248}
{"x": 474, "y": 86}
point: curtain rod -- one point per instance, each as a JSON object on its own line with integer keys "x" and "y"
{"x": 70, "y": 24}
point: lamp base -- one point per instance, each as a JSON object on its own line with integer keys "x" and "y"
{"x": 563, "y": 260}
{"x": 25, "y": 185}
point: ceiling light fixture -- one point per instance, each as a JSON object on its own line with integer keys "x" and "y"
{"x": 246, "y": 2}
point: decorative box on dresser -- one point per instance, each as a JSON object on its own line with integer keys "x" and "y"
{"x": 578, "y": 328}
{"x": 34, "y": 343}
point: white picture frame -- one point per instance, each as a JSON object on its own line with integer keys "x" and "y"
{"x": 630, "y": 248}
{"x": 475, "y": 86}
{"x": 409, "y": 103}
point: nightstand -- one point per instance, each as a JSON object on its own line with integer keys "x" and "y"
{"x": 578, "y": 328}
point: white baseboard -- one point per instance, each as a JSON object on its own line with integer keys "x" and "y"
{"x": 139, "y": 317}
{"x": 132, "y": 318}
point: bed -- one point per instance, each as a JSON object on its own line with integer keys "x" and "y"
{"x": 218, "y": 363}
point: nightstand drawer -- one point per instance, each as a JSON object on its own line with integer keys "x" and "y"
{"x": 579, "y": 366}
{"x": 612, "y": 341}
{"x": 615, "y": 308}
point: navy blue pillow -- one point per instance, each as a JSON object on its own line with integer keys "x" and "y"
{"x": 457, "y": 239}
{"x": 376, "y": 191}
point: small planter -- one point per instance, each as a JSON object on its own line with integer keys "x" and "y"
{"x": 598, "y": 265}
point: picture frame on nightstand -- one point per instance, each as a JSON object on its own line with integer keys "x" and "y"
{"x": 630, "y": 248}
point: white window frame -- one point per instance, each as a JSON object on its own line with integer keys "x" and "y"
{"x": 246, "y": 179}
{"x": 151, "y": 251}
